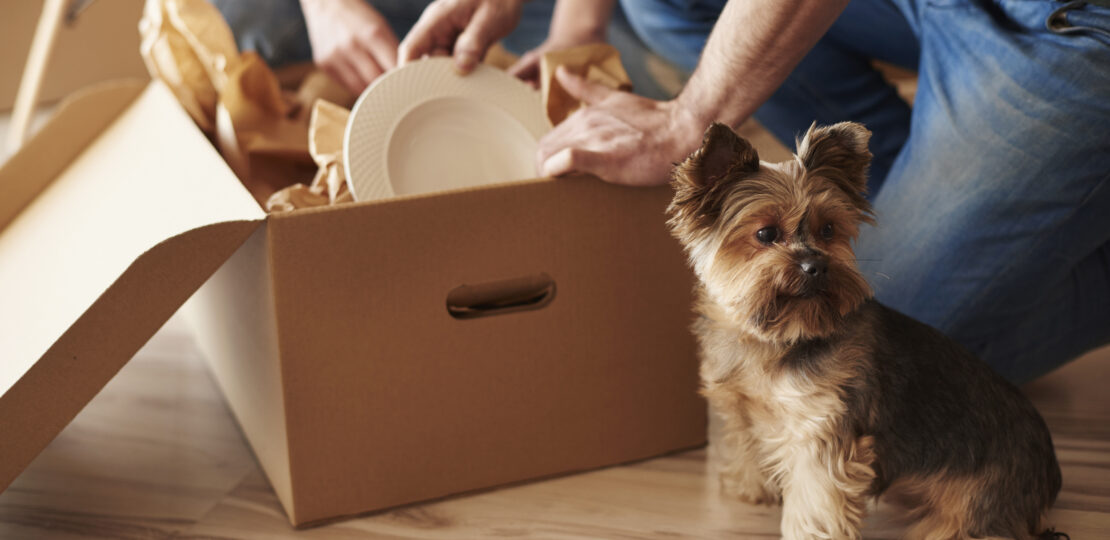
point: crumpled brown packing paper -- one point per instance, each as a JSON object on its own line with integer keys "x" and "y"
{"x": 272, "y": 138}
{"x": 325, "y": 144}
{"x": 598, "y": 62}
{"x": 260, "y": 128}
{"x": 261, "y": 132}
{"x": 186, "y": 44}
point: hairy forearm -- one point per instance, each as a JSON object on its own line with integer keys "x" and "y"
{"x": 581, "y": 19}
{"x": 753, "y": 47}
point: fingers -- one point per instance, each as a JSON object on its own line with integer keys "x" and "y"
{"x": 345, "y": 73}
{"x": 579, "y": 88}
{"x": 527, "y": 68}
{"x": 434, "y": 30}
{"x": 366, "y": 68}
{"x": 381, "y": 45}
{"x": 466, "y": 27}
{"x": 570, "y": 160}
{"x": 475, "y": 39}
{"x": 365, "y": 59}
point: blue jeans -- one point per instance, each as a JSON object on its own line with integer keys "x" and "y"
{"x": 992, "y": 191}
{"x": 276, "y": 30}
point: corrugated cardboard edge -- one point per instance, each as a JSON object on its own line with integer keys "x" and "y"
{"x": 234, "y": 322}
{"x": 77, "y": 122}
{"x": 106, "y": 336}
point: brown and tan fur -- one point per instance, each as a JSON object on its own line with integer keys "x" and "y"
{"x": 830, "y": 398}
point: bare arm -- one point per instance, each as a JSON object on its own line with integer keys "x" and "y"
{"x": 581, "y": 18}
{"x": 753, "y": 48}
{"x": 628, "y": 139}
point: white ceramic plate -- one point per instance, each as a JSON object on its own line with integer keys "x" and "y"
{"x": 423, "y": 128}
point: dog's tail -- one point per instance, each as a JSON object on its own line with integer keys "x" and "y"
{"x": 1051, "y": 534}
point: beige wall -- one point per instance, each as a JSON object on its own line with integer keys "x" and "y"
{"x": 102, "y": 44}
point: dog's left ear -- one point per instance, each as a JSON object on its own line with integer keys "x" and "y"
{"x": 838, "y": 152}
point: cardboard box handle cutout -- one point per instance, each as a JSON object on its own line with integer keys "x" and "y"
{"x": 500, "y": 297}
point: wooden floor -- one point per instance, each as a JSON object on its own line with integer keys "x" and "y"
{"x": 157, "y": 455}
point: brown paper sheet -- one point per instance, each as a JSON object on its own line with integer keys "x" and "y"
{"x": 186, "y": 44}
{"x": 260, "y": 128}
{"x": 274, "y": 138}
{"x": 325, "y": 144}
{"x": 599, "y": 63}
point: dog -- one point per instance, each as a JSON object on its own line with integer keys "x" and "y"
{"x": 829, "y": 398}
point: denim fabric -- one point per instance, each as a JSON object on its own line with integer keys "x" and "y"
{"x": 991, "y": 193}
{"x": 276, "y": 30}
{"x": 674, "y": 29}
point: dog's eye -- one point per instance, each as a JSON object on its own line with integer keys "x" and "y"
{"x": 767, "y": 235}
{"x": 827, "y": 231}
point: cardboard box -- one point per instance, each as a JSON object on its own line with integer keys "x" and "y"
{"x": 374, "y": 354}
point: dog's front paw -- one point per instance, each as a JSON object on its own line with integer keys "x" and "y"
{"x": 750, "y": 490}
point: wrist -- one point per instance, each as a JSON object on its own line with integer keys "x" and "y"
{"x": 577, "y": 32}
{"x": 687, "y": 126}
{"x": 704, "y": 106}
{"x": 580, "y": 21}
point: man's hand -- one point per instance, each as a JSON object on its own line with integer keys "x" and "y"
{"x": 574, "y": 23}
{"x": 465, "y": 28}
{"x": 627, "y": 139}
{"x": 350, "y": 41}
{"x": 527, "y": 68}
{"x": 618, "y": 136}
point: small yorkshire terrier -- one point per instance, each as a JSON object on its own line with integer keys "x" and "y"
{"x": 829, "y": 398}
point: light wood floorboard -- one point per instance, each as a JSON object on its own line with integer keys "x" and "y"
{"x": 157, "y": 455}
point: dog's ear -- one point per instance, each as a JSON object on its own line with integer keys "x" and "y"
{"x": 838, "y": 152}
{"x": 722, "y": 153}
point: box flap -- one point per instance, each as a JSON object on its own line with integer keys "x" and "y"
{"x": 102, "y": 257}
{"x": 73, "y": 126}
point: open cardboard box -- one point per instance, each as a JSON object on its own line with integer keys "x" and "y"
{"x": 375, "y": 354}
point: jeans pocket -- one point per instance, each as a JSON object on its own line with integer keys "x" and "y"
{"x": 1061, "y": 17}
{"x": 1079, "y": 17}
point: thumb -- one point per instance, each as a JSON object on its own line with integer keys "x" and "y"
{"x": 581, "y": 89}
{"x": 570, "y": 160}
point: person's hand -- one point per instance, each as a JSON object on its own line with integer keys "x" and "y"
{"x": 527, "y": 68}
{"x": 618, "y": 136}
{"x": 574, "y": 23}
{"x": 351, "y": 41}
{"x": 463, "y": 28}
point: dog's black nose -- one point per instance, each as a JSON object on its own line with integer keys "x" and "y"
{"x": 814, "y": 267}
